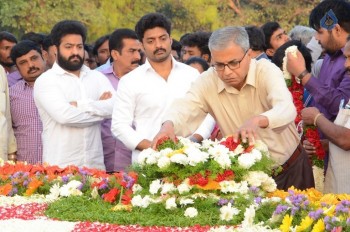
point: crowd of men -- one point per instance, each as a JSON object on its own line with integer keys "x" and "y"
{"x": 64, "y": 102}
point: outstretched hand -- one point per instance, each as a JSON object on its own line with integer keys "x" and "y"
{"x": 247, "y": 132}
{"x": 167, "y": 130}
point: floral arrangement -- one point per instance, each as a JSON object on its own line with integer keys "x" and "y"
{"x": 54, "y": 182}
{"x": 214, "y": 186}
{"x": 309, "y": 132}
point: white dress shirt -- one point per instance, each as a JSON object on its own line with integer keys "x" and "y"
{"x": 7, "y": 138}
{"x": 72, "y": 135}
{"x": 142, "y": 99}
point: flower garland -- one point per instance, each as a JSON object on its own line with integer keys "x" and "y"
{"x": 309, "y": 132}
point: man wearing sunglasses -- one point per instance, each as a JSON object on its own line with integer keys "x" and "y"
{"x": 248, "y": 99}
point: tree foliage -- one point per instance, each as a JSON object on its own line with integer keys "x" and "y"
{"x": 103, "y": 16}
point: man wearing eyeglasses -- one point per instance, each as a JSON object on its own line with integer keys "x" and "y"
{"x": 247, "y": 98}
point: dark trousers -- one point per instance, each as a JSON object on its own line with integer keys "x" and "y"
{"x": 297, "y": 173}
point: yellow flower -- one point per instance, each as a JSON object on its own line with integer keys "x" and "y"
{"x": 286, "y": 223}
{"x": 330, "y": 211}
{"x": 330, "y": 199}
{"x": 179, "y": 151}
{"x": 319, "y": 226}
{"x": 305, "y": 224}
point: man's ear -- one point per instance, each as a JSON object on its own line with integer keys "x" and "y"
{"x": 270, "y": 52}
{"x": 114, "y": 54}
{"x": 206, "y": 57}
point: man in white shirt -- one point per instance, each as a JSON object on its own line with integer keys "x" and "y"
{"x": 72, "y": 101}
{"x": 145, "y": 93}
{"x": 7, "y": 138}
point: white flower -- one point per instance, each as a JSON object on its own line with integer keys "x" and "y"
{"x": 155, "y": 186}
{"x": 138, "y": 201}
{"x": 195, "y": 155}
{"x": 233, "y": 187}
{"x": 239, "y": 150}
{"x": 199, "y": 196}
{"x": 319, "y": 178}
{"x": 153, "y": 159}
{"x": 227, "y": 212}
{"x": 246, "y": 160}
{"x": 223, "y": 160}
{"x": 54, "y": 192}
{"x": 218, "y": 150}
{"x": 207, "y": 143}
{"x": 256, "y": 178}
{"x": 269, "y": 185}
{"x": 179, "y": 159}
{"x": 191, "y": 212}
{"x": 292, "y": 49}
{"x": 94, "y": 193}
{"x": 136, "y": 188}
{"x": 167, "y": 187}
{"x": 184, "y": 187}
{"x": 2, "y": 162}
{"x": 144, "y": 154}
{"x": 261, "y": 146}
{"x": 249, "y": 215}
{"x": 186, "y": 201}
{"x": 163, "y": 162}
{"x": 257, "y": 154}
{"x": 170, "y": 203}
{"x": 71, "y": 189}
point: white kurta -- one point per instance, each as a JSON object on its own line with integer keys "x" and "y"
{"x": 7, "y": 138}
{"x": 338, "y": 172}
{"x": 72, "y": 135}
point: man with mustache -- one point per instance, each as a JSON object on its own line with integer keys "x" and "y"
{"x": 337, "y": 175}
{"x": 7, "y": 41}
{"x": 331, "y": 20}
{"x": 72, "y": 100}
{"x": 146, "y": 92}
{"x": 26, "y": 122}
{"x": 125, "y": 49}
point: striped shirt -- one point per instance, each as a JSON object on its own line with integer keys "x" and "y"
{"x": 26, "y": 123}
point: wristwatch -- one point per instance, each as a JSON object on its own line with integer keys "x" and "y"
{"x": 301, "y": 76}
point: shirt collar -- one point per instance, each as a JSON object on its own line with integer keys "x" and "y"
{"x": 148, "y": 66}
{"x": 250, "y": 79}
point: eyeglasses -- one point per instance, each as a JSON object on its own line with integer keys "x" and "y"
{"x": 231, "y": 65}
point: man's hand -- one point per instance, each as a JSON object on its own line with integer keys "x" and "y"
{"x": 295, "y": 65}
{"x": 309, "y": 148}
{"x": 167, "y": 130}
{"x": 248, "y": 131}
{"x": 106, "y": 95}
{"x": 308, "y": 115}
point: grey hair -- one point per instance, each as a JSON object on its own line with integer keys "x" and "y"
{"x": 224, "y": 37}
{"x": 302, "y": 33}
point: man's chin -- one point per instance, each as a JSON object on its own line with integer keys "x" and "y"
{"x": 7, "y": 64}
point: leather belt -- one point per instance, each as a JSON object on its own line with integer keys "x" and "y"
{"x": 293, "y": 157}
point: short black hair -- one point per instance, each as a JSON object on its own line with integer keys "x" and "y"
{"x": 117, "y": 37}
{"x": 340, "y": 8}
{"x": 176, "y": 46}
{"x": 47, "y": 42}
{"x": 198, "y": 60}
{"x": 277, "y": 58}
{"x": 99, "y": 42}
{"x": 23, "y": 48}
{"x": 150, "y": 21}
{"x": 198, "y": 39}
{"x": 5, "y": 35}
{"x": 67, "y": 27}
{"x": 35, "y": 37}
{"x": 256, "y": 38}
{"x": 268, "y": 29}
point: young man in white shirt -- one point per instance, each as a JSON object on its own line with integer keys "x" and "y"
{"x": 72, "y": 101}
{"x": 145, "y": 93}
